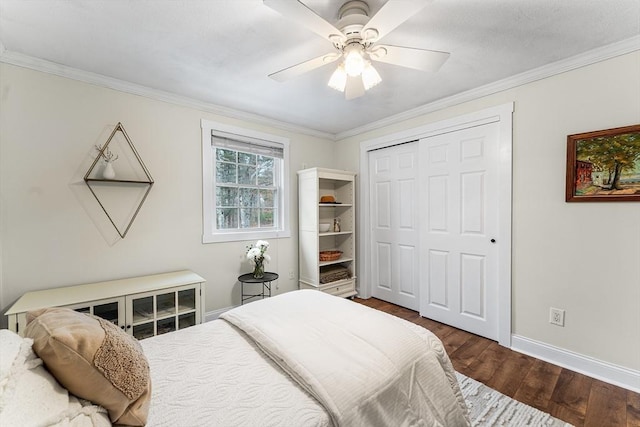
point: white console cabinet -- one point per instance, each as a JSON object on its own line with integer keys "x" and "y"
{"x": 143, "y": 306}
{"x": 313, "y": 185}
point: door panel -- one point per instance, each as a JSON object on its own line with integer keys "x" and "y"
{"x": 472, "y": 285}
{"x": 407, "y": 282}
{"x": 460, "y": 186}
{"x": 438, "y": 282}
{"x": 437, "y": 206}
{"x": 382, "y": 260}
{"x": 394, "y": 225}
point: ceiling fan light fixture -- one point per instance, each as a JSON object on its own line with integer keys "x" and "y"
{"x": 370, "y": 76}
{"x": 355, "y": 37}
{"x": 338, "y": 80}
{"x": 354, "y": 62}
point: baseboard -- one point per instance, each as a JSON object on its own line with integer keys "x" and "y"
{"x": 604, "y": 371}
{"x": 213, "y": 315}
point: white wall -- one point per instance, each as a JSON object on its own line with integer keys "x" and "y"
{"x": 52, "y": 231}
{"x": 584, "y": 258}
{"x": 581, "y": 257}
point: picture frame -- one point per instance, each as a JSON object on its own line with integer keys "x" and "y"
{"x": 604, "y": 165}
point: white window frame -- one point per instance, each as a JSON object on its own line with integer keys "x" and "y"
{"x": 210, "y": 234}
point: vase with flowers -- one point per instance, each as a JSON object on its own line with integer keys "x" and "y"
{"x": 258, "y": 256}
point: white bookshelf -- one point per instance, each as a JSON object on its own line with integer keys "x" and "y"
{"x": 312, "y": 185}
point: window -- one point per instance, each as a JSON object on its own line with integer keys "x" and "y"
{"x": 245, "y": 184}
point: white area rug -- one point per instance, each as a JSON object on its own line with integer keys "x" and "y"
{"x": 489, "y": 408}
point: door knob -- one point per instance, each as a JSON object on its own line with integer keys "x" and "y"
{"x": 493, "y": 240}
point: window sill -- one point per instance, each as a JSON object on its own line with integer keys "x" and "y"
{"x": 245, "y": 235}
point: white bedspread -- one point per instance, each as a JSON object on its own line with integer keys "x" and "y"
{"x": 367, "y": 368}
{"x": 212, "y": 375}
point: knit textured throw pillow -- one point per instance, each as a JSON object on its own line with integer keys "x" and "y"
{"x": 95, "y": 360}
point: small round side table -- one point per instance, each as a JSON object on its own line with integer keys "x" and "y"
{"x": 264, "y": 281}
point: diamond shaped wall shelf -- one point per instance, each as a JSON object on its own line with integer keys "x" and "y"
{"x": 119, "y": 180}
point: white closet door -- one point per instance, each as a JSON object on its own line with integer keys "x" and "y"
{"x": 395, "y": 262}
{"x": 459, "y": 217}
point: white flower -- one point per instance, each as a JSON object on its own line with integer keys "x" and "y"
{"x": 256, "y": 253}
{"x": 253, "y": 253}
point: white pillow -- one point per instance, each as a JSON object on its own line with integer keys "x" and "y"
{"x": 8, "y": 351}
{"x": 30, "y": 395}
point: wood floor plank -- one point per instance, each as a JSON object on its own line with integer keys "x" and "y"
{"x": 633, "y": 409}
{"x": 538, "y": 386}
{"x": 511, "y": 372}
{"x": 607, "y": 406}
{"x": 570, "y": 398}
{"x": 454, "y": 340}
{"x": 468, "y": 352}
{"x": 508, "y": 369}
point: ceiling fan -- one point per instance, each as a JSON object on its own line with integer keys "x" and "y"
{"x": 355, "y": 38}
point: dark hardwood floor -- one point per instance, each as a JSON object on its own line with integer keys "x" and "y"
{"x": 567, "y": 395}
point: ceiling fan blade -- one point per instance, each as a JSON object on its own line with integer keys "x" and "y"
{"x": 390, "y": 15}
{"x": 303, "y": 67}
{"x": 297, "y": 12}
{"x": 354, "y": 88}
{"x": 418, "y": 59}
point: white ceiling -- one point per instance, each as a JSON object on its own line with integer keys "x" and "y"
{"x": 220, "y": 51}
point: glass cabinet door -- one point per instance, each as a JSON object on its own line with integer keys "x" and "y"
{"x": 143, "y": 309}
{"x": 166, "y": 310}
{"x": 166, "y": 304}
{"x": 108, "y": 311}
{"x": 166, "y": 325}
{"x": 187, "y": 300}
{"x": 143, "y": 330}
{"x": 111, "y": 310}
{"x": 186, "y": 320}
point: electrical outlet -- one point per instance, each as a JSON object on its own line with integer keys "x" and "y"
{"x": 556, "y": 316}
{"x": 291, "y": 275}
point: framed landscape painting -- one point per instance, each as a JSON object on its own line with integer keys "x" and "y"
{"x": 604, "y": 166}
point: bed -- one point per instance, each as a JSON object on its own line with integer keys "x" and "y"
{"x": 303, "y": 358}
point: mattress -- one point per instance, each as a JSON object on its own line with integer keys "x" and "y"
{"x": 273, "y": 363}
{"x": 213, "y": 375}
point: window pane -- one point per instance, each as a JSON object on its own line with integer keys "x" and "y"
{"x": 225, "y": 155}
{"x": 246, "y": 175}
{"x": 246, "y": 158}
{"x": 267, "y": 198}
{"x": 225, "y": 172}
{"x": 226, "y": 196}
{"x": 248, "y": 197}
{"x": 266, "y": 217}
{"x": 265, "y": 171}
{"x": 245, "y": 193}
{"x": 249, "y": 218}
{"x": 226, "y": 218}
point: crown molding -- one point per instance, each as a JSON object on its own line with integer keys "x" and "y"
{"x": 578, "y": 61}
{"x": 581, "y": 60}
{"x": 37, "y": 64}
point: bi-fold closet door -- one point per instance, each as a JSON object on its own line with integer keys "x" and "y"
{"x": 434, "y": 227}
{"x": 395, "y": 257}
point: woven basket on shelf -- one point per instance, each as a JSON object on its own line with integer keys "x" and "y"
{"x": 330, "y": 255}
